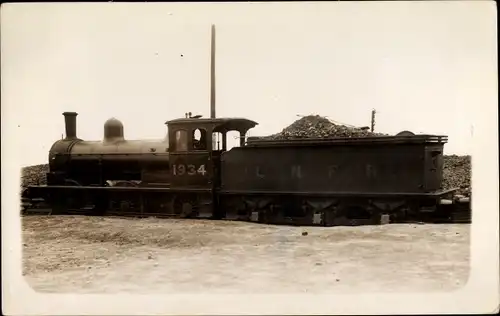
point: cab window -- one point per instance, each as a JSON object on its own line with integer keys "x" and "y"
{"x": 199, "y": 139}
{"x": 218, "y": 141}
{"x": 181, "y": 140}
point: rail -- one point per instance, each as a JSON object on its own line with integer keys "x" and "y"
{"x": 415, "y": 139}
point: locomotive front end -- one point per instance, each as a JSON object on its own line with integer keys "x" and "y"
{"x": 59, "y": 153}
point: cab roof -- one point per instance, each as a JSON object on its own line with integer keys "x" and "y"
{"x": 218, "y": 124}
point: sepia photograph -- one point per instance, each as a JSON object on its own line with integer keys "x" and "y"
{"x": 250, "y": 158}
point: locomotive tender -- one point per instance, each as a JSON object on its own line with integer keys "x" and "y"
{"x": 330, "y": 181}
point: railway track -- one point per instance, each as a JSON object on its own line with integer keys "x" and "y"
{"x": 88, "y": 212}
{"x": 461, "y": 215}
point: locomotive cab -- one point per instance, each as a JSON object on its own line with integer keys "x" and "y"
{"x": 195, "y": 146}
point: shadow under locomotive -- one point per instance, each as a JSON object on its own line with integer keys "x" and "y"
{"x": 191, "y": 174}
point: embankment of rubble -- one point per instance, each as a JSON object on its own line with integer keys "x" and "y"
{"x": 34, "y": 175}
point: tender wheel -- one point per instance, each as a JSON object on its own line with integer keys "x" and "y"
{"x": 100, "y": 207}
{"x": 187, "y": 210}
{"x": 184, "y": 207}
{"x": 58, "y": 209}
{"x": 354, "y": 222}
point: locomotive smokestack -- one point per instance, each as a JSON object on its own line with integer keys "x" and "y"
{"x": 70, "y": 123}
{"x": 212, "y": 74}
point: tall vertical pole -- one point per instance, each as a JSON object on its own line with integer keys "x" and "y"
{"x": 212, "y": 74}
{"x": 373, "y": 120}
{"x": 212, "y": 82}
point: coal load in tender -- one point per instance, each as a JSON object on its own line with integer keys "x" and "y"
{"x": 457, "y": 174}
{"x": 315, "y": 126}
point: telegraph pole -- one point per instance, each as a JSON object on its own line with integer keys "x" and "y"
{"x": 212, "y": 73}
{"x": 373, "y": 120}
{"x": 212, "y": 81}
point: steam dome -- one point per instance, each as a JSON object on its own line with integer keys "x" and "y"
{"x": 113, "y": 130}
{"x": 405, "y": 133}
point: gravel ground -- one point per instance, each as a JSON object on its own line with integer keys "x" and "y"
{"x": 109, "y": 255}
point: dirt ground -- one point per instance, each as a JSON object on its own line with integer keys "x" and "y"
{"x": 108, "y": 255}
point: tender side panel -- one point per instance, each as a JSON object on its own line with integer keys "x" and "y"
{"x": 387, "y": 168}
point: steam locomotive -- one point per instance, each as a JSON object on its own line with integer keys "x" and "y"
{"x": 191, "y": 174}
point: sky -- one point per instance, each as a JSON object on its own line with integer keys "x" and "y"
{"x": 425, "y": 66}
